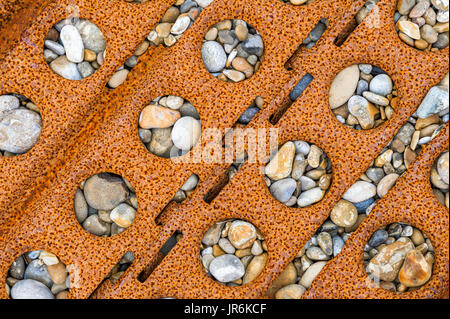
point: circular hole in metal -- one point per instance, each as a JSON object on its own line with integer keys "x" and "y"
{"x": 363, "y": 96}
{"x": 298, "y": 174}
{"x": 74, "y": 48}
{"x": 233, "y": 252}
{"x": 20, "y": 124}
{"x": 105, "y": 204}
{"x": 169, "y": 126}
{"x": 232, "y": 50}
{"x": 439, "y": 178}
{"x": 423, "y": 24}
{"x": 399, "y": 257}
{"x": 37, "y": 274}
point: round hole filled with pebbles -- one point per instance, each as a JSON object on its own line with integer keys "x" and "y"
{"x": 399, "y": 257}
{"x": 232, "y": 50}
{"x": 233, "y": 252}
{"x": 74, "y": 48}
{"x": 169, "y": 126}
{"x": 37, "y": 274}
{"x": 298, "y": 174}
{"x": 423, "y": 24}
{"x": 20, "y": 124}
{"x": 362, "y": 96}
{"x": 105, "y": 204}
{"x": 439, "y": 178}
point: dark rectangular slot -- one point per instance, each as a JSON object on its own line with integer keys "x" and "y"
{"x": 158, "y": 258}
{"x": 311, "y": 39}
{"x": 296, "y": 92}
{"x": 352, "y": 24}
{"x": 223, "y": 180}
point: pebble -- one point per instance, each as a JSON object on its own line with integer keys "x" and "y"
{"x": 293, "y": 291}
{"x": 91, "y": 35}
{"x": 325, "y": 243}
{"x": 280, "y": 166}
{"x": 378, "y": 237}
{"x": 410, "y": 29}
{"x": 343, "y": 86}
{"x": 442, "y": 167}
{"x": 242, "y": 234}
{"x": 38, "y": 271}
{"x": 30, "y": 289}
{"x": 58, "y": 273}
{"x": 364, "y": 111}
{"x": 55, "y": 48}
{"x": 214, "y": 56}
{"x": 338, "y": 244}
{"x": 344, "y": 214}
{"x": 63, "y": 67}
{"x": 73, "y": 44}
{"x": 435, "y": 101}
{"x": 186, "y": 132}
{"x": 415, "y": 271}
{"x": 155, "y": 116}
{"x": 254, "y": 268}
{"x": 226, "y": 246}
{"x": 104, "y": 191}
{"x": 283, "y": 189}
{"x": 118, "y": 78}
{"x": 311, "y": 273}
{"x": 227, "y": 268}
{"x": 161, "y": 142}
{"x": 375, "y": 98}
{"x": 123, "y": 215}
{"x": 17, "y": 268}
{"x": 360, "y": 191}
{"x": 180, "y": 25}
{"x": 95, "y": 226}
{"x": 381, "y": 85}
{"x": 212, "y": 236}
{"x": 310, "y": 197}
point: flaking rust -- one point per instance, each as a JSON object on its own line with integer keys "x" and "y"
{"x": 89, "y": 129}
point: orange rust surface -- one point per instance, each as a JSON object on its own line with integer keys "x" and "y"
{"x": 88, "y": 129}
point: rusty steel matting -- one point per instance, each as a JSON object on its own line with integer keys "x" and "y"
{"x": 89, "y": 129}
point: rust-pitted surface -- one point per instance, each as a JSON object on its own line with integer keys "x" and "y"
{"x": 88, "y": 129}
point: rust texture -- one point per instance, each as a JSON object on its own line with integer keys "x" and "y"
{"x": 89, "y": 129}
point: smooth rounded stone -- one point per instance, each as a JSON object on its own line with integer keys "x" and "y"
{"x": 307, "y": 183}
{"x": 407, "y": 231}
{"x": 437, "y": 181}
{"x": 442, "y": 16}
{"x": 58, "y": 273}
{"x": 123, "y": 215}
{"x": 30, "y": 289}
{"x": 241, "y": 32}
{"x": 20, "y": 129}
{"x": 343, "y": 86}
{"x": 428, "y": 34}
{"x": 145, "y": 135}
{"x": 410, "y": 29}
{"x": 63, "y": 67}
{"x": 254, "y": 268}
{"x": 443, "y": 41}
{"x": 338, "y": 244}
{"x": 80, "y": 206}
{"x": 253, "y": 45}
{"x": 300, "y": 87}
{"x": 95, "y": 226}
{"x": 161, "y": 142}
{"x": 118, "y": 78}
{"x": 213, "y": 55}
{"x": 360, "y": 191}
{"x": 85, "y": 69}
{"x": 174, "y": 102}
{"x": 234, "y": 75}
{"x": 180, "y": 25}
{"x": 190, "y": 183}
{"x": 362, "y": 207}
{"x": 189, "y": 110}
{"x": 283, "y": 189}
{"x": 55, "y": 47}
{"x": 375, "y": 98}
{"x": 311, "y": 273}
{"x": 226, "y": 268}
{"x": 248, "y": 115}
{"x": 325, "y": 243}
{"x": 212, "y": 235}
{"x": 286, "y": 277}
{"x": 37, "y": 270}
{"x": 186, "y": 132}
{"x": 226, "y": 37}
{"x": 386, "y": 184}
{"x": 365, "y": 68}
{"x": 378, "y": 238}
{"x": 386, "y": 264}
{"x": 405, "y": 6}
{"x": 344, "y": 214}
{"x": 293, "y": 291}
{"x": 302, "y": 147}
{"x": 314, "y": 156}
{"x": 315, "y": 253}
{"x": 440, "y": 4}
{"x": 241, "y": 234}
{"x": 434, "y": 102}
{"x": 226, "y": 246}
{"x": 91, "y": 36}
{"x": 310, "y": 197}
{"x": 17, "y": 268}
{"x": 364, "y": 111}
{"x": 280, "y": 166}
{"x": 405, "y": 133}
{"x": 257, "y": 248}
{"x": 375, "y": 174}
{"x": 299, "y": 167}
{"x": 48, "y": 258}
{"x": 442, "y": 167}
{"x": 415, "y": 271}
{"x": 73, "y": 44}
{"x": 155, "y": 116}
{"x": 105, "y": 191}
{"x": 204, "y": 3}
{"x": 361, "y": 87}
{"x": 7, "y": 104}
{"x": 132, "y": 61}
{"x": 419, "y": 9}
{"x": 381, "y": 85}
